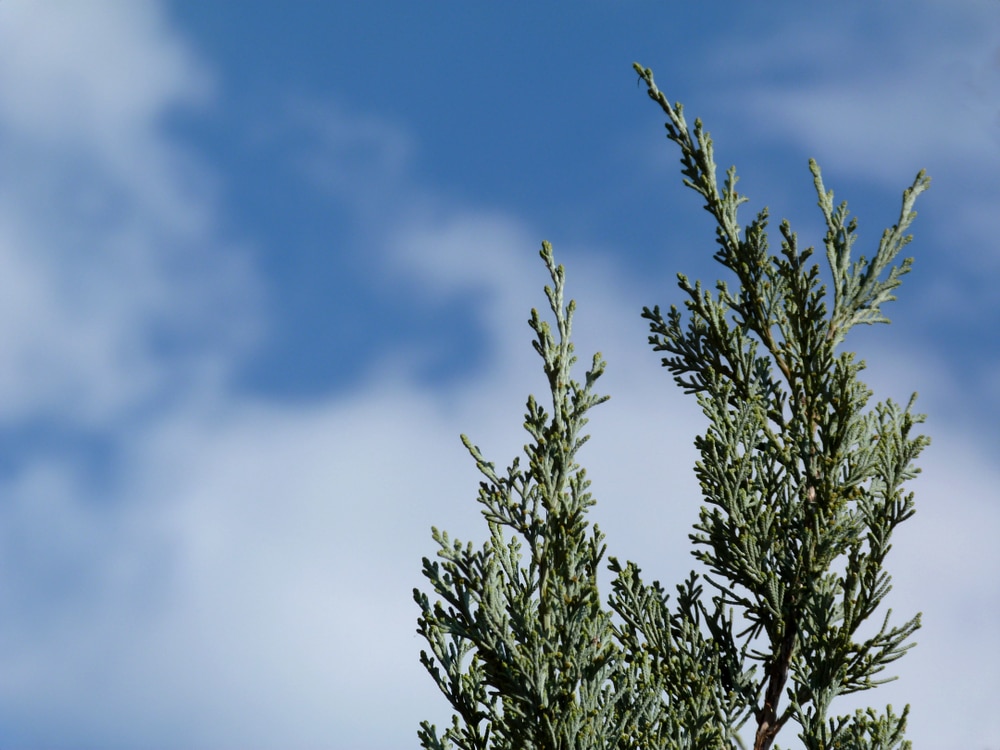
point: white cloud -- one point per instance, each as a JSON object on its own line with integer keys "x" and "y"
{"x": 105, "y": 229}
{"x": 96, "y": 78}
{"x": 880, "y": 89}
{"x": 357, "y": 157}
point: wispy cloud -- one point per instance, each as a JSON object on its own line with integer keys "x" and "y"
{"x": 105, "y": 221}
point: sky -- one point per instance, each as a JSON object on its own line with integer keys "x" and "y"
{"x": 261, "y": 266}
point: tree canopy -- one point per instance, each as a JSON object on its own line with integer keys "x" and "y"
{"x": 802, "y": 481}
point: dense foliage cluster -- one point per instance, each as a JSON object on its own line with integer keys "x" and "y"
{"x": 802, "y": 487}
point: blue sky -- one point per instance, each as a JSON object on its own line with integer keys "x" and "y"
{"x": 260, "y": 266}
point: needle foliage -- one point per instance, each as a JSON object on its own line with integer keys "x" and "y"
{"x": 802, "y": 481}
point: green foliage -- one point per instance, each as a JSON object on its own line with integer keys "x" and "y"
{"x": 519, "y": 642}
{"x": 802, "y": 483}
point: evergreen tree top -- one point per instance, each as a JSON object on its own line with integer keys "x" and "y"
{"x": 802, "y": 487}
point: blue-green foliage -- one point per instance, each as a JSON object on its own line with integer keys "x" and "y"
{"x": 802, "y": 483}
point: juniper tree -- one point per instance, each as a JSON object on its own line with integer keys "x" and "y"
{"x": 519, "y": 641}
{"x": 802, "y": 484}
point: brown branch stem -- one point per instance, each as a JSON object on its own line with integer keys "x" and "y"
{"x": 768, "y": 721}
